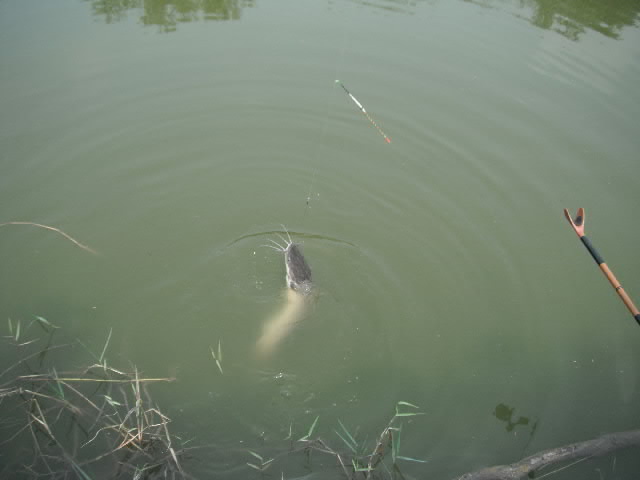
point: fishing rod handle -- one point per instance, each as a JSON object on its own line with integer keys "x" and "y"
{"x": 612, "y": 279}
{"x": 592, "y": 250}
{"x": 620, "y": 291}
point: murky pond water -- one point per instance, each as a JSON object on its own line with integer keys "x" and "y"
{"x": 176, "y": 137}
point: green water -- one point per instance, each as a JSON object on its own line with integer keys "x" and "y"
{"x": 175, "y": 137}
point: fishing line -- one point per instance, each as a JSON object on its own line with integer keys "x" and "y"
{"x": 324, "y": 131}
{"x": 315, "y": 167}
{"x": 326, "y": 122}
{"x": 339, "y": 60}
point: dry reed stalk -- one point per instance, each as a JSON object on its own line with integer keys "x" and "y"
{"x": 330, "y": 451}
{"x": 25, "y": 359}
{"x": 379, "y": 450}
{"x": 45, "y": 377}
{"x": 129, "y": 434}
{"x": 54, "y": 229}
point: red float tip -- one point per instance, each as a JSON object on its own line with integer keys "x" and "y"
{"x": 387, "y": 139}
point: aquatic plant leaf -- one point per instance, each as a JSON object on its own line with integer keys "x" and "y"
{"x": 104, "y": 350}
{"x": 44, "y": 323}
{"x": 81, "y": 473}
{"x": 358, "y": 468}
{"x": 213, "y": 354}
{"x": 346, "y": 442}
{"x": 60, "y": 392}
{"x": 313, "y": 426}
{"x": 111, "y": 401}
{"x": 409, "y": 459}
{"x": 395, "y": 444}
{"x": 406, "y": 414}
{"x": 353, "y": 440}
{"x": 258, "y": 456}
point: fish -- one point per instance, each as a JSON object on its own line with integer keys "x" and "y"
{"x": 298, "y": 272}
{"x": 299, "y": 287}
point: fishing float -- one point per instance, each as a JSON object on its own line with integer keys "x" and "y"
{"x": 362, "y": 109}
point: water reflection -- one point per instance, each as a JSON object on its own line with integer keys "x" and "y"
{"x": 572, "y": 18}
{"x": 396, "y": 6}
{"x": 167, "y": 14}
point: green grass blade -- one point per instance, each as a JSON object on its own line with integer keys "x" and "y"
{"x": 346, "y": 442}
{"x": 409, "y": 459}
{"x": 358, "y": 468}
{"x": 60, "y": 391}
{"x": 104, "y": 350}
{"x": 44, "y": 323}
{"x": 353, "y": 440}
{"x": 258, "y": 456}
{"x": 111, "y": 401}
{"x": 217, "y": 360}
{"x": 313, "y": 426}
{"x": 395, "y": 444}
{"x": 406, "y": 414}
{"x": 81, "y": 473}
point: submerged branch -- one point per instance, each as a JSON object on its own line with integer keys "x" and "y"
{"x": 581, "y": 450}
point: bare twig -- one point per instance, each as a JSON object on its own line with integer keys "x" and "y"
{"x": 57, "y": 230}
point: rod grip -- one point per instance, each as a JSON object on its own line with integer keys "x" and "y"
{"x": 620, "y": 291}
{"x": 612, "y": 278}
{"x": 592, "y": 250}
